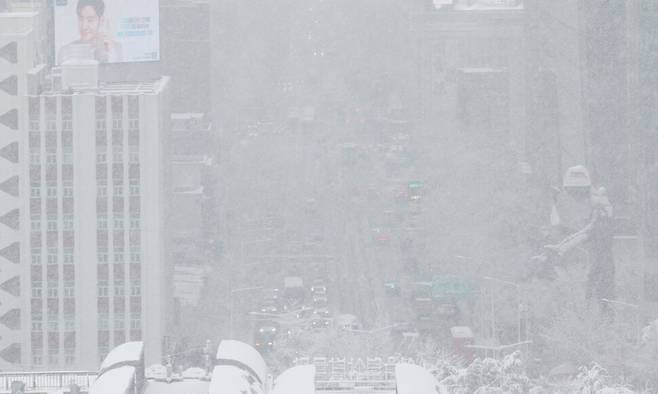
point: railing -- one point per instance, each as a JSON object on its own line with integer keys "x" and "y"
{"x": 47, "y": 380}
{"x": 360, "y": 386}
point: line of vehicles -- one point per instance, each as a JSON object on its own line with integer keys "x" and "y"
{"x": 294, "y": 308}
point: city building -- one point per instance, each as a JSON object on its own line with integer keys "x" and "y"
{"x": 186, "y": 54}
{"x": 21, "y": 50}
{"x": 471, "y": 70}
{"x": 93, "y": 214}
{"x": 193, "y": 228}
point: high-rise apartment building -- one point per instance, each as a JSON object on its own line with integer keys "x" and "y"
{"x": 92, "y": 209}
{"x": 20, "y": 51}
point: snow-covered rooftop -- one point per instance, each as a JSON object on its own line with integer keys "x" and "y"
{"x": 125, "y": 353}
{"x": 241, "y": 353}
{"x": 116, "y": 380}
{"x": 413, "y": 379}
{"x": 297, "y": 380}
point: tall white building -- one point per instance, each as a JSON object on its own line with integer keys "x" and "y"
{"x": 93, "y": 210}
{"x": 20, "y": 51}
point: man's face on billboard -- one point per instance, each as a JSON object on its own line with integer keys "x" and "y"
{"x": 88, "y": 23}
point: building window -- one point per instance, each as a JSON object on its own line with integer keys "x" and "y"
{"x": 116, "y": 124}
{"x": 34, "y": 125}
{"x": 35, "y": 190}
{"x": 119, "y": 321}
{"x": 53, "y": 356}
{"x": 103, "y": 322}
{"x": 69, "y": 289}
{"x": 68, "y": 256}
{"x": 133, "y": 124}
{"x": 68, "y": 221}
{"x": 118, "y": 188}
{"x": 67, "y": 125}
{"x": 133, "y": 153}
{"x": 101, "y": 157}
{"x": 135, "y": 289}
{"x": 101, "y": 189}
{"x": 37, "y": 325}
{"x": 135, "y": 223}
{"x": 118, "y": 223}
{"x": 53, "y": 324}
{"x": 117, "y": 153}
{"x": 134, "y": 187}
{"x": 51, "y": 191}
{"x": 102, "y": 256}
{"x": 102, "y": 351}
{"x": 37, "y": 290}
{"x": 52, "y": 256}
{"x": 35, "y": 223}
{"x": 118, "y": 256}
{"x": 69, "y": 323}
{"x": 101, "y": 124}
{"x": 51, "y": 158}
{"x": 51, "y": 125}
{"x": 53, "y": 290}
{"x": 36, "y": 256}
{"x": 67, "y": 154}
{"x": 102, "y": 222}
{"x": 35, "y": 157}
{"x": 119, "y": 290}
{"x": 67, "y": 189}
{"x": 36, "y": 358}
{"x": 69, "y": 356}
{"x": 135, "y": 257}
{"x": 102, "y": 289}
{"x": 52, "y": 222}
{"x": 135, "y": 323}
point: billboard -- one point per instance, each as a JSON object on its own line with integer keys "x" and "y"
{"x": 109, "y": 31}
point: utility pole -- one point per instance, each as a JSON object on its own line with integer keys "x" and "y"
{"x": 636, "y": 308}
{"x": 518, "y": 302}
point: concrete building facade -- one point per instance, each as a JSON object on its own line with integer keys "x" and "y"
{"x": 20, "y": 51}
{"x": 93, "y": 214}
{"x": 471, "y": 67}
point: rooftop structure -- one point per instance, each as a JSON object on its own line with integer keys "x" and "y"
{"x": 234, "y": 370}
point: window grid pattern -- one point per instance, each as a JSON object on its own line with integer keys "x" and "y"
{"x": 51, "y": 157}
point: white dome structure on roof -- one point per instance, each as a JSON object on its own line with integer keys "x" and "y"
{"x": 236, "y": 353}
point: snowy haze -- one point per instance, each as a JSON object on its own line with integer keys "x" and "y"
{"x": 412, "y": 157}
{"x": 468, "y": 185}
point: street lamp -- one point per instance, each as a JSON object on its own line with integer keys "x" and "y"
{"x": 518, "y": 299}
{"x": 229, "y": 276}
{"x": 230, "y": 311}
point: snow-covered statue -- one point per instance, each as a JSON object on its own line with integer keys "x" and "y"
{"x": 582, "y": 215}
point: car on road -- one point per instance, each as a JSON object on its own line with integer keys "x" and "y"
{"x": 381, "y": 236}
{"x": 304, "y": 313}
{"x": 319, "y": 323}
{"x": 294, "y": 290}
{"x": 265, "y": 335}
{"x": 320, "y": 300}
{"x": 271, "y": 294}
{"x": 392, "y": 289}
{"x": 317, "y": 285}
{"x": 322, "y": 312}
{"x": 347, "y": 322}
{"x": 269, "y": 307}
{"x": 319, "y": 290}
